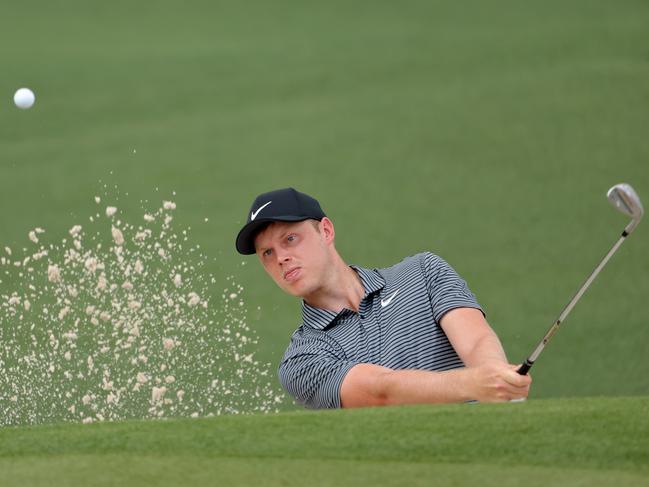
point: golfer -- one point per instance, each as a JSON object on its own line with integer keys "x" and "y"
{"x": 410, "y": 333}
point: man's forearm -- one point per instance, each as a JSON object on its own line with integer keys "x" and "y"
{"x": 374, "y": 385}
{"x": 421, "y": 386}
{"x": 487, "y": 348}
{"x": 472, "y": 338}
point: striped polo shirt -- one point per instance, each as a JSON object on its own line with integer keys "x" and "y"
{"x": 397, "y": 326}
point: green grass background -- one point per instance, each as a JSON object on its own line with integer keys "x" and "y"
{"x": 486, "y": 132}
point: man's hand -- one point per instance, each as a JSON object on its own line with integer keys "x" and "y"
{"x": 495, "y": 381}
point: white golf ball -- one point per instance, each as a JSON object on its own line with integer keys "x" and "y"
{"x": 24, "y": 98}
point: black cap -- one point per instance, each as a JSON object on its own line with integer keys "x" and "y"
{"x": 283, "y": 205}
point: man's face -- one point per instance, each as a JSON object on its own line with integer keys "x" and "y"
{"x": 296, "y": 255}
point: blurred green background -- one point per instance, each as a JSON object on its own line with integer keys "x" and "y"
{"x": 485, "y": 132}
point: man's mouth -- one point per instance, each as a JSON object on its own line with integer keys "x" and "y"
{"x": 292, "y": 274}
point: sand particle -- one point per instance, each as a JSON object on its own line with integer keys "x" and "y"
{"x": 157, "y": 394}
{"x": 53, "y": 273}
{"x": 118, "y": 237}
{"x": 75, "y": 230}
{"x": 194, "y": 299}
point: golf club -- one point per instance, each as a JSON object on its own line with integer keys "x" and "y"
{"x": 625, "y": 199}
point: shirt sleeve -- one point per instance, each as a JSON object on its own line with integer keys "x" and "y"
{"x": 447, "y": 290}
{"x": 312, "y": 371}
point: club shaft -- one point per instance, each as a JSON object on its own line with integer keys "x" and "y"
{"x": 555, "y": 326}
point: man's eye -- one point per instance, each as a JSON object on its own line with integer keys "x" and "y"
{"x": 290, "y": 238}
{"x": 267, "y": 252}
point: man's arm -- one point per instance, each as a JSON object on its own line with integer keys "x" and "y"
{"x": 374, "y": 385}
{"x": 472, "y": 337}
{"x": 487, "y": 378}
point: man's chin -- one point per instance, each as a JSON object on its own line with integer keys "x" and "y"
{"x": 293, "y": 290}
{"x": 296, "y": 288}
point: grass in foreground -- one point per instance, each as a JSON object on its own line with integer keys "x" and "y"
{"x": 595, "y": 441}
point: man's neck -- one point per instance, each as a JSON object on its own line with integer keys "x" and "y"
{"x": 343, "y": 289}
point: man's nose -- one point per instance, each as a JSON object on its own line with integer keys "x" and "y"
{"x": 282, "y": 257}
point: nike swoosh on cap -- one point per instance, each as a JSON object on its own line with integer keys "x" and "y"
{"x": 385, "y": 302}
{"x": 254, "y": 214}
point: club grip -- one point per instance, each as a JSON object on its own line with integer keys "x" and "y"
{"x": 523, "y": 369}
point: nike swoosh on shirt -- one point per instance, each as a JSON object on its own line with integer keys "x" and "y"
{"x": 254, "y": 214}
{"x": 385, "y": 302}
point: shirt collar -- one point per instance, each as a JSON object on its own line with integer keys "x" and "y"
{"x": 319, "y": 319}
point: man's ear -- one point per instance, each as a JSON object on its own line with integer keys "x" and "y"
{"x": 327, "y": 229}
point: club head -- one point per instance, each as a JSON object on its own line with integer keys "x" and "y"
{"x": 623, "y": 197}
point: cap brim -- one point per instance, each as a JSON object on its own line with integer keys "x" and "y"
{"x": 246, "y": 238}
